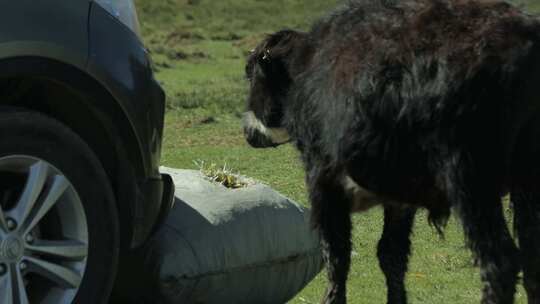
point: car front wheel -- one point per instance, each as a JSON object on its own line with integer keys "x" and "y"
{"x": 58, "y": 221}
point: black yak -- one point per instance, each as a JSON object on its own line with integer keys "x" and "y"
{"x": 413, "y": 104}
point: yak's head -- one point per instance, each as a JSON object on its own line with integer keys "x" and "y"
{"x": 268, "y": 70}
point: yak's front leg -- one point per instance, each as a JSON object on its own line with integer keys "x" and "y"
{"x": 331, "y": 216}
{"x": 393, "y": 250}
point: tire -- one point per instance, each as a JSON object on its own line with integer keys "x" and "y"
{"x": 83, "y": 221}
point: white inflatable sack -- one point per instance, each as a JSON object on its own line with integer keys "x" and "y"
{"x": 220, "y": 245}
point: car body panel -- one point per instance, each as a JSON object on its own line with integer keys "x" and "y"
{"x": 25, "y": 30}
{"x": 119, "y": 60}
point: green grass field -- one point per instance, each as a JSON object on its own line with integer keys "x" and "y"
{"x": 199, "y": 48}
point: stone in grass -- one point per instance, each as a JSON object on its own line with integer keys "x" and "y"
{"x": 221, "y": 245}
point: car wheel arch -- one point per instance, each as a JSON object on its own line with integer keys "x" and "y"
{"x": 74, "y": 98}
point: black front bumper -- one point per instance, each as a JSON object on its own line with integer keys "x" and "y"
{"x": 167, "y": 201}
{"x": 155, "y": 200}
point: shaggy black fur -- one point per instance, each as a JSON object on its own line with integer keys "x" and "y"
{"x": 423, "y": 103}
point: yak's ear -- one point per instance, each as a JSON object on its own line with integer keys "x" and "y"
{"x": 279, "y": 45}
{"x": 273, "y": 53}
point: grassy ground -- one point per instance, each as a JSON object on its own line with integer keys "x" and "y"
{"x": 199, "y": 48}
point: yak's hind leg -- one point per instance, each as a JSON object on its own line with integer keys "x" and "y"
{"x": 476, "y": 198}
{"x": 331, "y": 216}
{"x": 393, "y": 250}
{"x": 526, "y": 201}
{"x": 490, "y": 240}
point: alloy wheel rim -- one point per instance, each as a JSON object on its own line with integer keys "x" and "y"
{"x": 43, "y": 233}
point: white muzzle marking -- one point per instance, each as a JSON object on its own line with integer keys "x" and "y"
{"x": 276, "y": 135}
